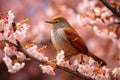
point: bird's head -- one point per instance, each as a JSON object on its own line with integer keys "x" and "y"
{"x": 58, "y": 22}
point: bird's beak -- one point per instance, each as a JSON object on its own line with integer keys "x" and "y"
{"x": 51, "y": 22}
{"x": 48, "y": 21}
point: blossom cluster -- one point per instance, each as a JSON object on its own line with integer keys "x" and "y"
{"x": 13, "y": 65}
{"x": 102, "y": 21}
{"x": 14, "y": 58}
{"x": 35, "y": 52}
{"x": 89, "y": 67}
{"x": 7, "y": 33}
{"x": 6, "y": 30}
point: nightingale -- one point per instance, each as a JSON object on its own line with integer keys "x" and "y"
{"x": 64, "y": 37}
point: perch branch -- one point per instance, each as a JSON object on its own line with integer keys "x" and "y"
{"x": 74, "y": 73}
{"x": 20, "y": 48}
{"x": 113, "y": 9}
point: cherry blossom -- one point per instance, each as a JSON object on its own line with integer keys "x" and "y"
{"x": 47, "y": 69}
{"x": 33, "y": 51}
{"x": 116, "y": 71}
{"x": 89, "y": 68}
{"x": 60, "y": 56}
{"x": 10, "y": 17}
{"x": 12, "y": 68}
{"x": 7, "y": 32}
{"x": 20, "y": 32}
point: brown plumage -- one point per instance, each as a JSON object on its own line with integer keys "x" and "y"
{"x": 65, "y": 38}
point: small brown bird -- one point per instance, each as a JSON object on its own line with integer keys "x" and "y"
{"x": 65, "y": 38}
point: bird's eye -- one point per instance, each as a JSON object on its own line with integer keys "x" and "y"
{"x": 57, "y": 21}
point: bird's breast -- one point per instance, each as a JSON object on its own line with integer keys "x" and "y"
{"x": 60, "y": 42}
{"x": 57, "y": 38}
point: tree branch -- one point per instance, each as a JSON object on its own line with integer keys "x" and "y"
{"x": 20, "y": 48}
{"x": 114, "y": 10}
{"x": 81, "y": 76}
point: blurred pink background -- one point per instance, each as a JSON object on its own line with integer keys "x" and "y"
{"x": 37, "y": 11}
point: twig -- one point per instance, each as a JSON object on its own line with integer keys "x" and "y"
{"x": 114, "y": 10}
{"x": 10, "y": 43}
{"x": 14, "y": 26}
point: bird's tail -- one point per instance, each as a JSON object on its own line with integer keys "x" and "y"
{"x": 99, "y": 60}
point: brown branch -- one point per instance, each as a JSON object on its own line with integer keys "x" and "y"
{"x": 14, "y": 26}
{"x": 81, "y": 76}
{"x": 113, "y": 9}
{"x": 10, "y": 43}
{"x": 20, "y": 48}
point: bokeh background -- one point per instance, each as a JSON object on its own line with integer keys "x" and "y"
{"x": 37, "y": 11}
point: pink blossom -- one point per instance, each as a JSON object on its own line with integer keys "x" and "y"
{"x": 92, "y": 62}
{"x": 10, "y": 50}
{"x": 60, "y": 59}
{"x": 12, "y": 68}
{"x": 47, "y": 69}
{"x": 21, "y": 56}
{"x": 90, "y": 70}
{"x": 97, "y": 11}
{"x": 7, "y": 30}
{"x": 116, "y": 71}
{"x": 104, "y": 33}
{"x": 86, "y": 69}
{"x": 20, "y": 33}
{"x": 10, "y": 17}
{"x": 60, "y": 56}
{"x": 103, "y": 74}
{"x": 33, "y": 51}
{"x": 65, "y": 63}
{"x": 98, "y": 22}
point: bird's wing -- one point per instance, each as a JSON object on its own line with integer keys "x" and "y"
{"x": 75, "y": 40}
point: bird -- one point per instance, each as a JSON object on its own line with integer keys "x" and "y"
{"x": 65, "y": 37}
